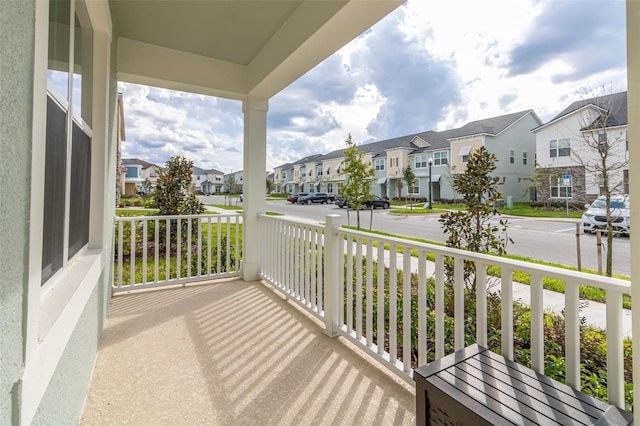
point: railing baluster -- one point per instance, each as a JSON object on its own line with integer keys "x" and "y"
{"x": 120, "y": 244}
{"x": 615, "y": 350}
{"x": 320, "y": 282}
{"x": 228, "y": 259}
{"x": 219, "y": 245}
{"x": 358, "y": 288}
{"x": 341, "y": 279}
{"x": 572, "y": 333}
{"x": 167, "y": 244}
{"x": 209, "y": 245}
{"x": 369, "y": 301}
{"x": 349, "y": 284}
{"x": 422, "y": 307}
{"x": 537, "y": 323}
{"x": 189, "y": 245}
{"x": 145, "y": 237}
{"x": 238, "y": 256}
{"x": 199, "y": 224}
{"x": 307, "y": 264}
{"x": 179, "y": 250}
{"x": 458, "y": 306}
{"x": 439, "y": 306}
{"x": 406, "y": 309}
{"x": 506, "y": 294}
{"x": 314, "y": 256}
{"x": 393, "y": 304}
{"x": 156, "y": 251}
{"x": 380, "y": 299}
{"x": 481, "y": 303}
{"x": 132, "y": 254}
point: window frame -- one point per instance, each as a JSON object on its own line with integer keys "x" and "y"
{"x": 556, "y": 189}
{"x": 442, "y": 158}
{"x": 379, "y": 164}
{"x": 421, "y": 161}
{"x": 512, "y": 156}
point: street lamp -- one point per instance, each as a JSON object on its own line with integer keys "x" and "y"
{"x": 430, "y": 206}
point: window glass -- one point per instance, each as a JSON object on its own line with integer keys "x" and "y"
{"x": 58, "y": 59}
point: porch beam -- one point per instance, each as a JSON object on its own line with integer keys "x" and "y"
{"x": 254, "y": 182}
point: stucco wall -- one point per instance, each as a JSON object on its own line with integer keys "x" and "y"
{"x": 16, "y": 67}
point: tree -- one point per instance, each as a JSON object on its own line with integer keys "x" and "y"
{"x": 471, "y": 229}
{"x": 410, "y": 178}
{"x": 231, "y": 184}
{"x": 171, "y": 192}
{"x": 399, "y": 185}
{"x": 359, "y": 174}
{"x": 602, "y": 152}
{"x": 270, "y": 186}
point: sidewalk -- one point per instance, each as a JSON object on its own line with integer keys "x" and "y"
{"x": 595, "y": 313}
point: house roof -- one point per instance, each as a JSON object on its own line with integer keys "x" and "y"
{"x": 137, "y": 162}
{"x": 199, "y": 171}
{"x": 615, "y": 104}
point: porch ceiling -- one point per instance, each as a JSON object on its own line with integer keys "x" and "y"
{"x": 234, "y": 48}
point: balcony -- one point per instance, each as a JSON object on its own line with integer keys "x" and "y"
{"x": 320, "y": 337}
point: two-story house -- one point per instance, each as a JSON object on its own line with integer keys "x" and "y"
{"x": 233, "y": 182}
{"x": 206, "y": 181}
{"x": 569, "y": 148}
{"x": 136, "y": 172}
{"x": 436, "y": 157}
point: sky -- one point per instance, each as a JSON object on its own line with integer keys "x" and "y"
{"x": 429, "y": 65}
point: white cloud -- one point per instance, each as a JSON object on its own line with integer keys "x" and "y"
{"x": 428, "y": 65}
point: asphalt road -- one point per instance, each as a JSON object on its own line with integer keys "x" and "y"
{"x": 551, "y": 240}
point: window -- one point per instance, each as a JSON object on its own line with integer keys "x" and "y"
{"x": 415, "y": 189}
{"x": 464, "y": 153}
{"x": 626, "y": 142}
{"x": 393, "y": 162}
{"x": 338, "y": 170}
{"x": 559, "y": 190}
{"x": 328, "y": 169}
{"x": 330, "y": 188}
{"x": 318, "y": 171}
{"x": 512, "y": 156}
{"x": 379, "y": 164}
{"x": 602, "y": 142}
{"x": 524, "y": 158}
{"x": 67, "y": 154}
{"x": 132, "y": 172}
{"x": 421, "y": 162}
{"x": 559, "y": 148}
{"x": 440, "y": 158}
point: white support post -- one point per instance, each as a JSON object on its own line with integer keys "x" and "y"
{"x": 633, "y": 108}
{"x": 331, "y": 274}
{"x": 255, "y": 166}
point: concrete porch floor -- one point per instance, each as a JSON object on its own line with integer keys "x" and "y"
{"x": 232, "y": 353}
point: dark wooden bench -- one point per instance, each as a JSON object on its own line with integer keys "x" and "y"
{"x": 475, "y": 386}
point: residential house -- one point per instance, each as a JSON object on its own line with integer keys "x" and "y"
{"x": 137, "y": 172}
{"x": 206, "y": 181}
{"x": 436, "y": 157}
{"x": 234, "y": 182}
{"x": 568, "y": 145}
{"x": 62, "y": 61}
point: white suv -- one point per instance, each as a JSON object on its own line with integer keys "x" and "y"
{"x": 596, "y": 215}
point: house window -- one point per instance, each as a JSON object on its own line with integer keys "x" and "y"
{"x": 379, "y": 164}
{"x": 512, "y": 156}
{"x": 338, "y": 170}
{"x": 440, "y": 158}
{"x": 524, "y": 158}
{"x": 67, "y": 174}
{"x": 559, "y": 148}
{"x": 602, "y": 141}
{"x": 464, "y": 153}
{"x": 328, "y": 169}
{"x": 421, "y": 162}
{"x": 393, "y": 162}
{"x": 132, "y": 172}
{"x": 330, "y": 188}
{"x": 626, "y": 140}
{"x": 559, "y": 190}
{"x": 415, "y": 189}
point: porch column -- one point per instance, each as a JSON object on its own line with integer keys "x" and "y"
{"x": 254, "y": 182}
{"x": 633, "y": 111}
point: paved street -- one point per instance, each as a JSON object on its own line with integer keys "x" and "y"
{"x": 550, "y": 240}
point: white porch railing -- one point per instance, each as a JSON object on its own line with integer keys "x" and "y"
{"x": 153, "y": 251}
{"x": 334, "y": 274}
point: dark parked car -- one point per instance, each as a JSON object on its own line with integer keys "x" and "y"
{"x": 294, "y": 197}
{"x": 317, "y": 197}
{"x": 376, "y": 202}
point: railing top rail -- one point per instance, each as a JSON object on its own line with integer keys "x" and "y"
{"x": 165, "y": 217}
{"x": 298, "y": 221}
{"x": 592, "y": 280}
